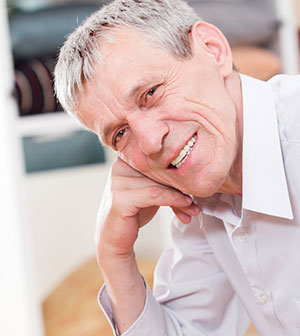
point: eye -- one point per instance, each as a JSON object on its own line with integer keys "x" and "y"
{"x": 147, "y": 96}
{"x": 118, "y": 136}
{"x": 151, "y": 92}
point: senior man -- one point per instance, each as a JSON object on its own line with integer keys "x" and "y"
{"x": 157, "y": 85}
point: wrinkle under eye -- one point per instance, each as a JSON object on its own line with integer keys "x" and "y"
{"x": 119, "y": 136}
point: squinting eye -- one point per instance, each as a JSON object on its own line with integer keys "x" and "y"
{"x": 148, "y": 94}
{"x": 119, "y": 136}
{"x": 151, "y": 91}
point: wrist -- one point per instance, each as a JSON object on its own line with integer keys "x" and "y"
{"x": 108, "y": 255}
{"x": 122, "y": 277}
{"x": 111, "y": 262}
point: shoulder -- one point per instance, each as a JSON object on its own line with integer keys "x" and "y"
{"x": 286, "y": 90}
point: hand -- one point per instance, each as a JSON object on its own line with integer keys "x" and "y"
{"x": 130, "y": 200}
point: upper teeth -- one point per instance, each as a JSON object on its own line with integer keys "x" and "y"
{"x": 184, "y": 153}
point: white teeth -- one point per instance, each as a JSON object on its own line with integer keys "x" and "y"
{"x": 184, "y": 153}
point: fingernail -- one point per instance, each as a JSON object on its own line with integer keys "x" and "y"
{"x": 196, "y": 209}
{"x": 186, "y": 219}
{"x": 188, "y": 199}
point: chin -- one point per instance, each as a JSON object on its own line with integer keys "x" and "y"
{"x": 204, "y": 192}
{"x": 201, "y": 191}
{"x": 206, "y": 186}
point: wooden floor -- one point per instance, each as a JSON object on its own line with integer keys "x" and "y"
{"x": 251, "y": 331}
{"x": 72, "y": 309}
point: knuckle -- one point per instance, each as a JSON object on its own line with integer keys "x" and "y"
{"x": 116, "y": 199}
{"x": 115, "y": 169}
{"x": 155, "y": 192}
{"x": 115, "y": 183}
{"x": 176, "y": 197}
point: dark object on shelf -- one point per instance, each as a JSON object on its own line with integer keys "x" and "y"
{"x": 69, "y": 150}
{"x": 34, "y": 86}
{"x": 36, "y": 37}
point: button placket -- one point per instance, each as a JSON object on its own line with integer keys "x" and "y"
{"x": 261, "y": 297}
{"x": 242, "y": 234}
{"x": 244, "y": 238}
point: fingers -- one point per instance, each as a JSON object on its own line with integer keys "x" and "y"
{"x": 121, "y": 168}
{"x": 151, "y": 193}
{"x": 184, "y": 214}
{"x": 136, "y": 182}
{"x": 131, "y": 201}
{"x": 183, "y": 217}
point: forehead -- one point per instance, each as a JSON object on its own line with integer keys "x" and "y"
{"x": 131, "y": 49}
{"x": 130, "y": 62}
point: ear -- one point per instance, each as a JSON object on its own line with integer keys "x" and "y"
{"x": 208, "y": 38}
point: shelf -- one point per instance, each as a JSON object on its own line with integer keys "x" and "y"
{"x": 46, "y": 124}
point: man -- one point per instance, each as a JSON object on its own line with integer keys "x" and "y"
{"x": 158, "y": 86}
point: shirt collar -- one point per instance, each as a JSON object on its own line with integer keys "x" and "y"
{"x": 264, "y": 182}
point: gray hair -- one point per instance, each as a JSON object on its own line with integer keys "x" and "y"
{"x": 166, "y": 23}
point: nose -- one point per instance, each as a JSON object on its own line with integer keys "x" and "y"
{"x": 150, "y": 132}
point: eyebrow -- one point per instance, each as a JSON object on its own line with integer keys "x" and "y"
{"x": 142, "y": 83}
{"x": 132, "y": 93}
{"x": 106, "y": 132}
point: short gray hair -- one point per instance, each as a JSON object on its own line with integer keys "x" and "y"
{"x": 166, "y": 23}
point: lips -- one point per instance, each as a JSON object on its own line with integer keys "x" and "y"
{"x": 185, "y": 152}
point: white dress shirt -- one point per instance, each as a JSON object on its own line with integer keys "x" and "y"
{"x": 239, "y": 260}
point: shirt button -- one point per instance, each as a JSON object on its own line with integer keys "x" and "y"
{"x": 262, "y": 298}
{"x": 244, "y": 238}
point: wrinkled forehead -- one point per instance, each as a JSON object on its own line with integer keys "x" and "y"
{"x": 129, "y": 46}
{"x": 130, "y": 62}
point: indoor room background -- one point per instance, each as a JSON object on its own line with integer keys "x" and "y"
{"x": 53, "y": 172}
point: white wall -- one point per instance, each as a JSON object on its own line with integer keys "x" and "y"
{"x": 19, "y": 308}
{"x": 288, "y": 36}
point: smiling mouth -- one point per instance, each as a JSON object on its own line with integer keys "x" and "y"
{"x": 185, "y": 152}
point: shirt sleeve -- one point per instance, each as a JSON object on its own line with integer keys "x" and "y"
{"x": 191, "y": 296}
{"x": 142, "y": 326}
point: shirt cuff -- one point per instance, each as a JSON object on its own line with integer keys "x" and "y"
{"x": 105, "y": 304}
{"x": 149, "y": 322}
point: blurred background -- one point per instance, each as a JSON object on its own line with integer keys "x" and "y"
{"x": 52, "y": 173}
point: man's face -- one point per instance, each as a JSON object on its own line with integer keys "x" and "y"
{"x": 155, "y": 110}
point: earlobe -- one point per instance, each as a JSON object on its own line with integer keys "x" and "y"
{"x": 209, "y": 39}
